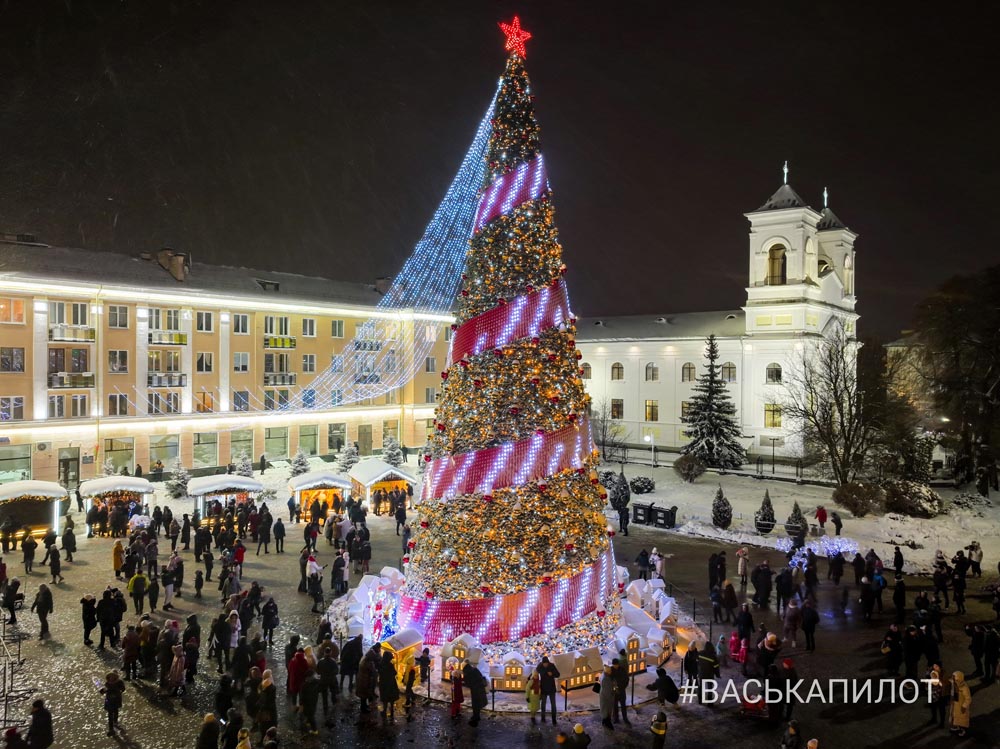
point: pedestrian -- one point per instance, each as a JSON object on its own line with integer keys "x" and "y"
{"x": 961, "y": 704}
{"x": 659, "y": 730}
{"x": 350, "y": 660}
{"x": 297, "y": 670}
{"x": 975, "y": 558}
{"x": 729, "y": 600}
{"x": 208, "y": 736}
{"x": 42, "y": 606}
{"x": 476, "y": 683}
{"x": 28, "y": 546}
{"x": 937, "y": 698}
{"x": 79, "y": 500}
{"x": 263, "y": 463}
{"x": 457, "y": 695}
{"x": 269, "y": 620}
{"x": 623, "y": 521}
{"x": 118, "y": 558}
{"x": 548, "y": 673}
{"x": 309, "y": 700}
{"x": 792, "y": 620}
{"x": 267, "y": 711}
{"x": 708, "y": 666}
{"x": 167, "y": 578}
{"x": 792, "y": 739}
{"x": 820, "y": 516}
{"x": 665, "y": 688}
{"x": 88, "y": 605}
{"x": 388, "y": 687}
{"x": 113, "y": 690}
{"x": 40, "y": 734}
{"x": 327, "y": 670}
{"x": 810, "y": 620}
{"x": 743, "y": 564}
{"x": 690, "y": 663}
{"x": 837, "y": 522}
{"x": 533, "y": 693}
{"x": 642, "y": 563}
{"x": 69, "y": 540}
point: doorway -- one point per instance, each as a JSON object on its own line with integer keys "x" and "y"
{"x": 69, "y": 466}
{"x": 365, "y": 439}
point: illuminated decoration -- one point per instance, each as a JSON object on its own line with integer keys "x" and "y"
{"x": 511, "y": 544}
{"x": 37, "y": 505}
{"x": 824, "y": 546}
{"x": 516, "y": 36}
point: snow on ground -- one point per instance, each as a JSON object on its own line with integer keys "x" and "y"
{"x": 918, "y": 538}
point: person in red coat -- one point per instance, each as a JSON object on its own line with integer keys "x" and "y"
{"x": 457, "y": 696}
{"x": 239, "y": 552}
{"x": 297, "y": 670}
{"x": 821, "y": 516}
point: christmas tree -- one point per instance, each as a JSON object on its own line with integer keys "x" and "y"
{"x": 109, "y": 467}
{"x": 392, "y": 453}
{"x": 796, "y": 522}
{"x": 178, "y": 484}
{"x": 711, "y": 418}
{"x": 244, "y": 465}
{"x": 348, "y": 458}
{"x": 512, "y": 544}
{"x": 722, "y": 511}
{"x": 763, "y": 519}
{"x": 300, "y": 463}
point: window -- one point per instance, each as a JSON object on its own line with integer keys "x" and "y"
{"x": 164, "y": 319}
{"x": 241, "y": 361}
{"x": 205, "y": 450}
{"x": 78, "y": 406}
{"x": 587, "y": 372}
{"x": 120, "y": 451}
{"x": 773, "y": 373}
{"x": 277, "y": 363}
{"x": 15, "y": 461}
{"x": 81, "y": 313}
{"x": 309, "y": 398}
{"x": 430, "y": 395}
{"x": 275, "y": 325}
{"x": 652, "y": 410}
{"x": 12, "y": 359}
{"x": 617, "y": 371}
{"x": 204, "y": 322}
{"x": 430, "y": 333}
{"x": 57, "y": 360}
{"x": 241, "y": 324}
{"x": 617, "y": 408}
{"x": 688, "y": 372}
{"x": 309, "y": 439}
{"x": 390, "y": 428}
{"x": 777, "y": 266}
{"x": 447, "y": 333}
{"x": 389, "y": 361}
{"x": 276, "y": 442}
{"x": 57, "y": 313}
{"x": 392, "y": 397}
{"x": 57, "y": 406}
{"x": 164, "y": 448}
{"x": 729, "y": 372}
{"x": 652, "y": 374}
{"x": 11, "y": 408}
{"x": 337, "y": 363}
{"x": 241, "y": 443}
{"x": 12, "y": 311}
{"x": 275, "y": 399}
{"x": 117, "y": 361}
{"x": 163, "y": 403}
{"x": 117, "y": 316}
{"x": 772, "y": 416}
{"x": 336, "y": 436}
{"x": 430, "y": 364}
{"x": 79, "y": 360}
{"x": 78, "y": 313}
{"x": 269, "y": 286}
{"x": 204, "y": 363}
{"x": 204, "y": 403}
{"x": 241, "y": 400}
{"x": 117, "y": 405}
{"x": 163, "y": 361}
{"x": 308, "y": 362}
{"x": 336, "y": 328}
{"x": 685, "y": 409}
{"x": 336, "y": 397}
{"x": 308, "y": 327}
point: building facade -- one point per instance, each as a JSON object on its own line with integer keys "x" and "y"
{"x": 641, "y": 370}
{"x": 136, "y": 360}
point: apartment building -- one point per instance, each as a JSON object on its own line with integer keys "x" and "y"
{"x": 157, "y": 357}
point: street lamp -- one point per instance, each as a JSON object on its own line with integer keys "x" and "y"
{"x": 773, "y": 441}
{"x": 652, "y": 453}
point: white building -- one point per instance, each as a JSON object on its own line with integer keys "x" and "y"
{"x": 800, "y": 280}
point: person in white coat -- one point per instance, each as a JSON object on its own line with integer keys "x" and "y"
{"x": 743, "y": 564}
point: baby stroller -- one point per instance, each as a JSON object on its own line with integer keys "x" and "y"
{"x": 754, "y": 708}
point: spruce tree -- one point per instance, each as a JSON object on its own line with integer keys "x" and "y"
{"x": 392, "y": 453}
{"x": 178, "y": 483}
{"x": 722, "y": 511}
{"x": 618, "y": 492}
{"x": 244, "y": 465}
{"x": 348, "y": 458}
{"x": 711, "y": 419}
{"x": 763, "y": 519}
{"x": 796, "y": 522}
{"x": 300, "y": 463}
{"x": 109, "y": 467}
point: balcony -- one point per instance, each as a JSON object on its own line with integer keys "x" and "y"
{"x": 273, "y": 379}
{"x": 166, "y": 380}
{"x": 279, "y": 341}
{"x": 167, "y": 338}
{"x": 71, "y": 380}
{"x": 74, "y": 333}
{"x": 367, "y": 378}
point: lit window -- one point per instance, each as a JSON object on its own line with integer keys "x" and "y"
{"x": 617, "y": 408}
{"x": 729, "y": 372}
{"x": 652, "y": 410}
{"x": 773, "y": 374}
{"x": 12, "y": 311}
{"x": 204, "y": 402}
{"x": 685, "y": 409}
{"x": 772, "y": 416}
{"x": 652, "y": 374}
{"x": 688, "y": 372}
{"x": 617, "y": 371}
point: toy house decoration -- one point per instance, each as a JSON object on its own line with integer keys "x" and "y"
{"x": 660, "y": 646}
{"x": 511, "y": 675}
{"x": 664, "y": 609}
{"x": 405, "y": 646}
{"x": 457, "y": 650}
{"x": 634, "y": 645}
{"x": 635, "y": 591}
{"x": 579, "y": 668}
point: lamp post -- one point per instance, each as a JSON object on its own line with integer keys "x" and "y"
{"x": 652, "y": 453}
{"x": 773, "y": 441}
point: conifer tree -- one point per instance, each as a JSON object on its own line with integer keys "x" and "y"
{"x": 348, "y": 458}
{"x": 764, "y": 517}
{"x": 722, "y": 511}
{"x": 179, "y": 477}
{"x": 796, "y": 522}
{"x": 244, "y": 465}
{"x": 711, "y": 418}
{"x": 392, "y": 453}
{"x": 300, "y": 463}
{"x": 109, "y": 467}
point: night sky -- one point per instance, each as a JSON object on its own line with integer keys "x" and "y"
{"x": 318, "y": 137}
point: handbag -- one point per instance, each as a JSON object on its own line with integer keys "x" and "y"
{"x": 597, "y": 687}
{"x": 885, "y": 648}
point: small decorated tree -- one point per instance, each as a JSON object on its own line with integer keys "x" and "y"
{"x": 796, "y": 522}
{"x": 244, "y": 465}
{"x": 300, "y": 463}
{"x": 178, "y": 483}
{"x": 109, "y": 467}
{"x": 722, "y": 511}
{"x": 763, "y": 519}
{"x": 618, "y": 492}
{"x": 348, "y": 458}
{"x": 392, "y": 453}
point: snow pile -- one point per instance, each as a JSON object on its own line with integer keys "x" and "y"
{"x": 971, "y": 502}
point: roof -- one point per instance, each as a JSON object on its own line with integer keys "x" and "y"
{"x": 372, "y": 470}
{"x": 724, "y": 324}
{"x": 111, "y": 268}
{"x": 321, "y": 479}
{"x": 829, "y": 220}
{"x": 219, "y": 482}
{"x": 107, "y": 484}
{"x": 15, "y": 489}
{"x": 784, "y": 197}
{"x": 405, "y": 638}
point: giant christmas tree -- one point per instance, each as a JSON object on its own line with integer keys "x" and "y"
{"x": 511, "y": 544}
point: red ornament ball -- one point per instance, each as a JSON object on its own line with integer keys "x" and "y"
{"x": 465, "y": 292}
{"x": 535, "y": 380}
{"x": 427, "y": 458}
{"x": 477, "y": 383}
{"x": 411, "y": 544}
{"x": 429, "y": 594}
{"x": 424, "y": 524}
{"x": 595, "y": 482}
{"x": 497, "y": 352}
{"x": 444, "y": 375}
{"x": 487, "y": 497}
{"x": 542, "y": 487}
{"x": 515, "y": 411}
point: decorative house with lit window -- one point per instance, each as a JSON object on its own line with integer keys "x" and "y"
{"x": 405, "y": 646}
{"x": 453, "y": 653}
{"x": 634, "y": 645}
{"x": 511, "y": 674}
{"x": 580, "y": 668}
{"x": 660, "y": 646}
{"x": 664, "y": 609}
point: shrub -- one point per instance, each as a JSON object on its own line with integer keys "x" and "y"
{"x": 763, "y": 519}
{"x": 911, "y": 498}
{"x": 722, "y": 511}
{"x": 796, "y": 522}
{"x": 688, "y": 467}
{"x": 642, "y": 484}
{"x": 859, "y": 498}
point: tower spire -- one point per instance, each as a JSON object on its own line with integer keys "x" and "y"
{"x": 826, "y": 198}
{"x": 784, "y": 170}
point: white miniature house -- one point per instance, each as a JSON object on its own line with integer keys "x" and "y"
{"x": 454, "y": 652}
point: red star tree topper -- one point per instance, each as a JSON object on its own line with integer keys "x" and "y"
{"x": 516, "y": 37}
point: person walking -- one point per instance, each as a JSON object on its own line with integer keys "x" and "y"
{"x": 548, "y": 673}
{"x": 838, "y": 524}
{"x": 476, "y": 682}
{"x": 28, "y": 546}
{"x": 43, "y": 606}
{"x": 791, "y": 620}
{"x": 137, "y": 587}
{"x": 40, "y": 735}
{"x": 619, "y": 670}
{"x": 69, "y": 540}
{"x": 810, "y": 620}
{"x": 388, "y": 687}
{"x": 820, "y": 516}
{"x": 113, "y": 691}
{"x": 607, "y": 698}
{"x": 642, "y": 564}
{"x": 961, "y": 704}
{"x": 533, "y": 694}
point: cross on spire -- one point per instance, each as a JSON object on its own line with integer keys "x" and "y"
{"x": 784, "y": 170}
{"x": 826, "y": 198}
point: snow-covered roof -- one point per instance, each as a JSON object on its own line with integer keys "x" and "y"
{"x": 404, "y": 639}
{"x": 829, "y": 220}
{"x": 373, "y": 470}
{"x": 107, "y": 484}
{"x": 324, "y": 478}
{"x": 220, "y": 482}
{"x": 669, "y": 326}
{"x": 784, "y": 197}
{"x": 16, "y": 489}
{"x": 465, "y": 639}
{"x": 513, "y": 655}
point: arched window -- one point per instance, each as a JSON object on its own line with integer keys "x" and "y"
{"x": 652, "y": 372}
{"x": 773, "y": 373}
{"x": 777, "y": 271}
{"x": 617, "y": 371}
{"x": 587, "y": 371}
{"x": 688, "y": 372}
{"x": 729, "y": 372}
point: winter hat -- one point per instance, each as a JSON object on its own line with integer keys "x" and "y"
{"x": 788, "y": 663}
{"x": 209, "y": 718}
{"x": 578, "y": 728}
{"x": 772, "y": 639}
{"x": 813, "y": 744}
{"x": 654, "y": 551}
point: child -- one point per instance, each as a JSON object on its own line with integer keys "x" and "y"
{"x": 199, "y": 583}
{"x": 411, "y": 677}
{"x": 716, "y": 597}
{"x": 722, "y": 651}
{"x": 424, "y": 661}
{"x": 734, "y": 647}
{"x": 457, "y": 696}
{"x": 659, "y": 730}
{"x": 744, "y": 649}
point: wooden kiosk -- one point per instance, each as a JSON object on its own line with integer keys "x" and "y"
{"x": 222, "y": 487}
{"x": 113, "y": 490}
{"x": 374, "y": 473}
{"x": 323, "y": 485}
{"x": 35, "y": 504}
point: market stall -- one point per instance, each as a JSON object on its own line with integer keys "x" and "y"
{"x": 35, "y": 504}
{"x": 373, "y": 474}
{"x": 222, "y": 488}
{"x": 116, "y": 499}
{"x": 323, "y": 486}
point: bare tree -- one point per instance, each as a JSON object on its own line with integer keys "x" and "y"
{"x": 609, "y": 433}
